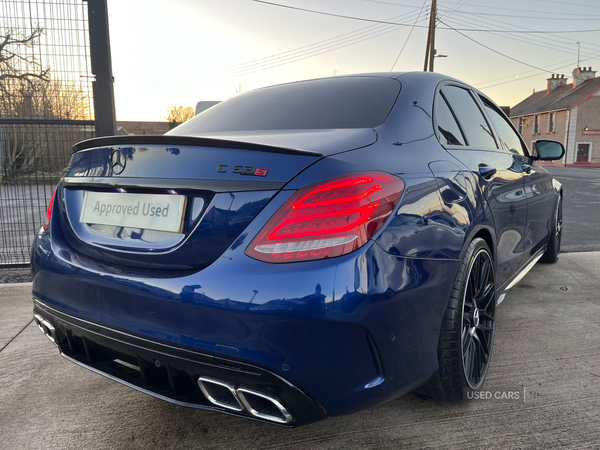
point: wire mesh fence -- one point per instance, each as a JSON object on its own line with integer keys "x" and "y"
{"x": 46, "y": 106}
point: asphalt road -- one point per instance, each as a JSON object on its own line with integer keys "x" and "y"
{"x": 581, "y": 208}
{"x": 544, "y": 383}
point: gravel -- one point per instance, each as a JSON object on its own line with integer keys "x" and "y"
{"x": 15, "y": 276}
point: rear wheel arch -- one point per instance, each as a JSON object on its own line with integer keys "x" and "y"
{"x": 453, "y": 378}
{"x": 484, "y": 232}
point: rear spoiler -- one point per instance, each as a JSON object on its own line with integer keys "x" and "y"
{"x": 133, "y": 140}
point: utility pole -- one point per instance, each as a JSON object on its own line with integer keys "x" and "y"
{"x": 430, "y": 48}
{"x": 432, "y": 52}
{"x": 426, "y": 64}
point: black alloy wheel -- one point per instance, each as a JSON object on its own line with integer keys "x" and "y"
{"x": 479, "y": 305}
{"x": 553, "y": 251}
{"x": 467, "y": 335}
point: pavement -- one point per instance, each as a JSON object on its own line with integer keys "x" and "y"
{"x": 542, "y": 389}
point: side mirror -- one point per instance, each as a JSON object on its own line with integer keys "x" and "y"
{"x": 548, "y": 150}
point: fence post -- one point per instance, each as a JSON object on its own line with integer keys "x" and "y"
{"x": 104, "y": 97}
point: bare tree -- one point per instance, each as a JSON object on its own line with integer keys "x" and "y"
{"x": 238, "y": 88}
{"x": 16, "y": 64}
{"x": 176, "y": 114}
{"x": 28, "y": 92}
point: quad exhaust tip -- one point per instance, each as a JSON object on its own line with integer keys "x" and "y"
{"x": 46, "y": 327}
{"x": 239, "y": 398}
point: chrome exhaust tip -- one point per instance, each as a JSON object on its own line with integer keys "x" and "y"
{"x": 46, "y": 328}
{"x": 239, "y": 398}
{"x": 263, "y": 405}
{"x": 220, "y": 393}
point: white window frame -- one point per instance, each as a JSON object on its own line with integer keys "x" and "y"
{"x": 589, "y": 152}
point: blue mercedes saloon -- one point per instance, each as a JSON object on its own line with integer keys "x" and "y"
{"x": 299, "y": 251}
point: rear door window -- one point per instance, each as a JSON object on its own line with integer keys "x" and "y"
{"x": 508, "y": 137}
{"x": 447, "y": 130}
{"x": 472, "y": 121}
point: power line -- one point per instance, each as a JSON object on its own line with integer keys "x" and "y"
{"x": 473, "y": 13}
{"x": 560, "y": 41}
{"x": 532, "y": 40}
{"x": 388, "y": 3}
{"x": 307, "y": 54}
{"x": 455, "y": 8}
{"x": 340, "y": 39}
{"x": 495, "y": 51}
{"x": 332, "y": 14}
{"x": 514, "y": 27}
{"x": 422, "y": 26}
{"x": 572, "y": 4}
{"x": 556, "y": 69}
{"x": 527, "y": 10}
{"x": 408, "y": 37}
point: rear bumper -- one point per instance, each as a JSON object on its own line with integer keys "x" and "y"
{"x": 172, "y": 374}
{"x": 350, "y": 333}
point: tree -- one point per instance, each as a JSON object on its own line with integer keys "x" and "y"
{"x": 238, "y": 88}
{"x": 27, "y": 92}
{"x": 176, "y": 114}
{"x": 15, "y": 64}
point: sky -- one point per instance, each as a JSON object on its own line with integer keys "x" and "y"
{"x": 183, "y": 51}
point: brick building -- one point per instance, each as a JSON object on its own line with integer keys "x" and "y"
{"x": 568, "y": 113}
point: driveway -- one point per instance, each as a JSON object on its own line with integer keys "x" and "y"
{"x": 543, "y": 387}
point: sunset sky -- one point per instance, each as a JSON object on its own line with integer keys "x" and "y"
{"x": 183, "y": 51}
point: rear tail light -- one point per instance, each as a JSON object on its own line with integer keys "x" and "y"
{"x": 49, "y": 212}
{"x": 328, "y": 219}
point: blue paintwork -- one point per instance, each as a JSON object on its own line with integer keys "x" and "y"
{"x": 212, "y": 222}
{"x": 351, "y": 332}
{"x": 184, "y": 162}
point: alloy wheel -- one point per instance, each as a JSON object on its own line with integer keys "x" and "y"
{"x": 479, "y": 305}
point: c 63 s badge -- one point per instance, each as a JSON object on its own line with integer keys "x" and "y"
{"x": 242, "y": 170}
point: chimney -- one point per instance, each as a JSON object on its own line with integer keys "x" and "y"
{"x": 556, "y": 81}
{"x": 581, "y": 75}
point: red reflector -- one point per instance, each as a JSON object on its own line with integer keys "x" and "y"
{"x": 328, "y": 219}
{"x": 49, "y": 212}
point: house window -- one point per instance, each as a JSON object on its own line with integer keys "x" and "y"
{"x": 584, "y": 151}
{"x": 522, "y": 124}
{"x": 536, "y": 124}
{"x": 551, "y": 118}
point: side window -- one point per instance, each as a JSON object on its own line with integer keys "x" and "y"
{"x": 509, "y": 140}
{"x": 447, "y": 129}
{"x": 470, "y": 117}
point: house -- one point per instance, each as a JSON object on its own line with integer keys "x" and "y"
{"x": 568, "y": 113}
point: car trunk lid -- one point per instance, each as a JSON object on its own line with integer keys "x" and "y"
{"x": 116, "y": 192}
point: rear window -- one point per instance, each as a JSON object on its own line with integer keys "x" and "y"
{"x": 353, "y": 102}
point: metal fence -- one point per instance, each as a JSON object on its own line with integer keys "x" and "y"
{"x": 46, "y": 106}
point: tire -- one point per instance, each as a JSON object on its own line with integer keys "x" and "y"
{"x": 467, "y": 336}
{"x": 553, "y": 250}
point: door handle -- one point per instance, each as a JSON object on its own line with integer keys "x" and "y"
{"x": 486, "y": 171}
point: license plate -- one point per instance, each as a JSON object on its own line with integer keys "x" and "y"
{"x": 147, "y": 211}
